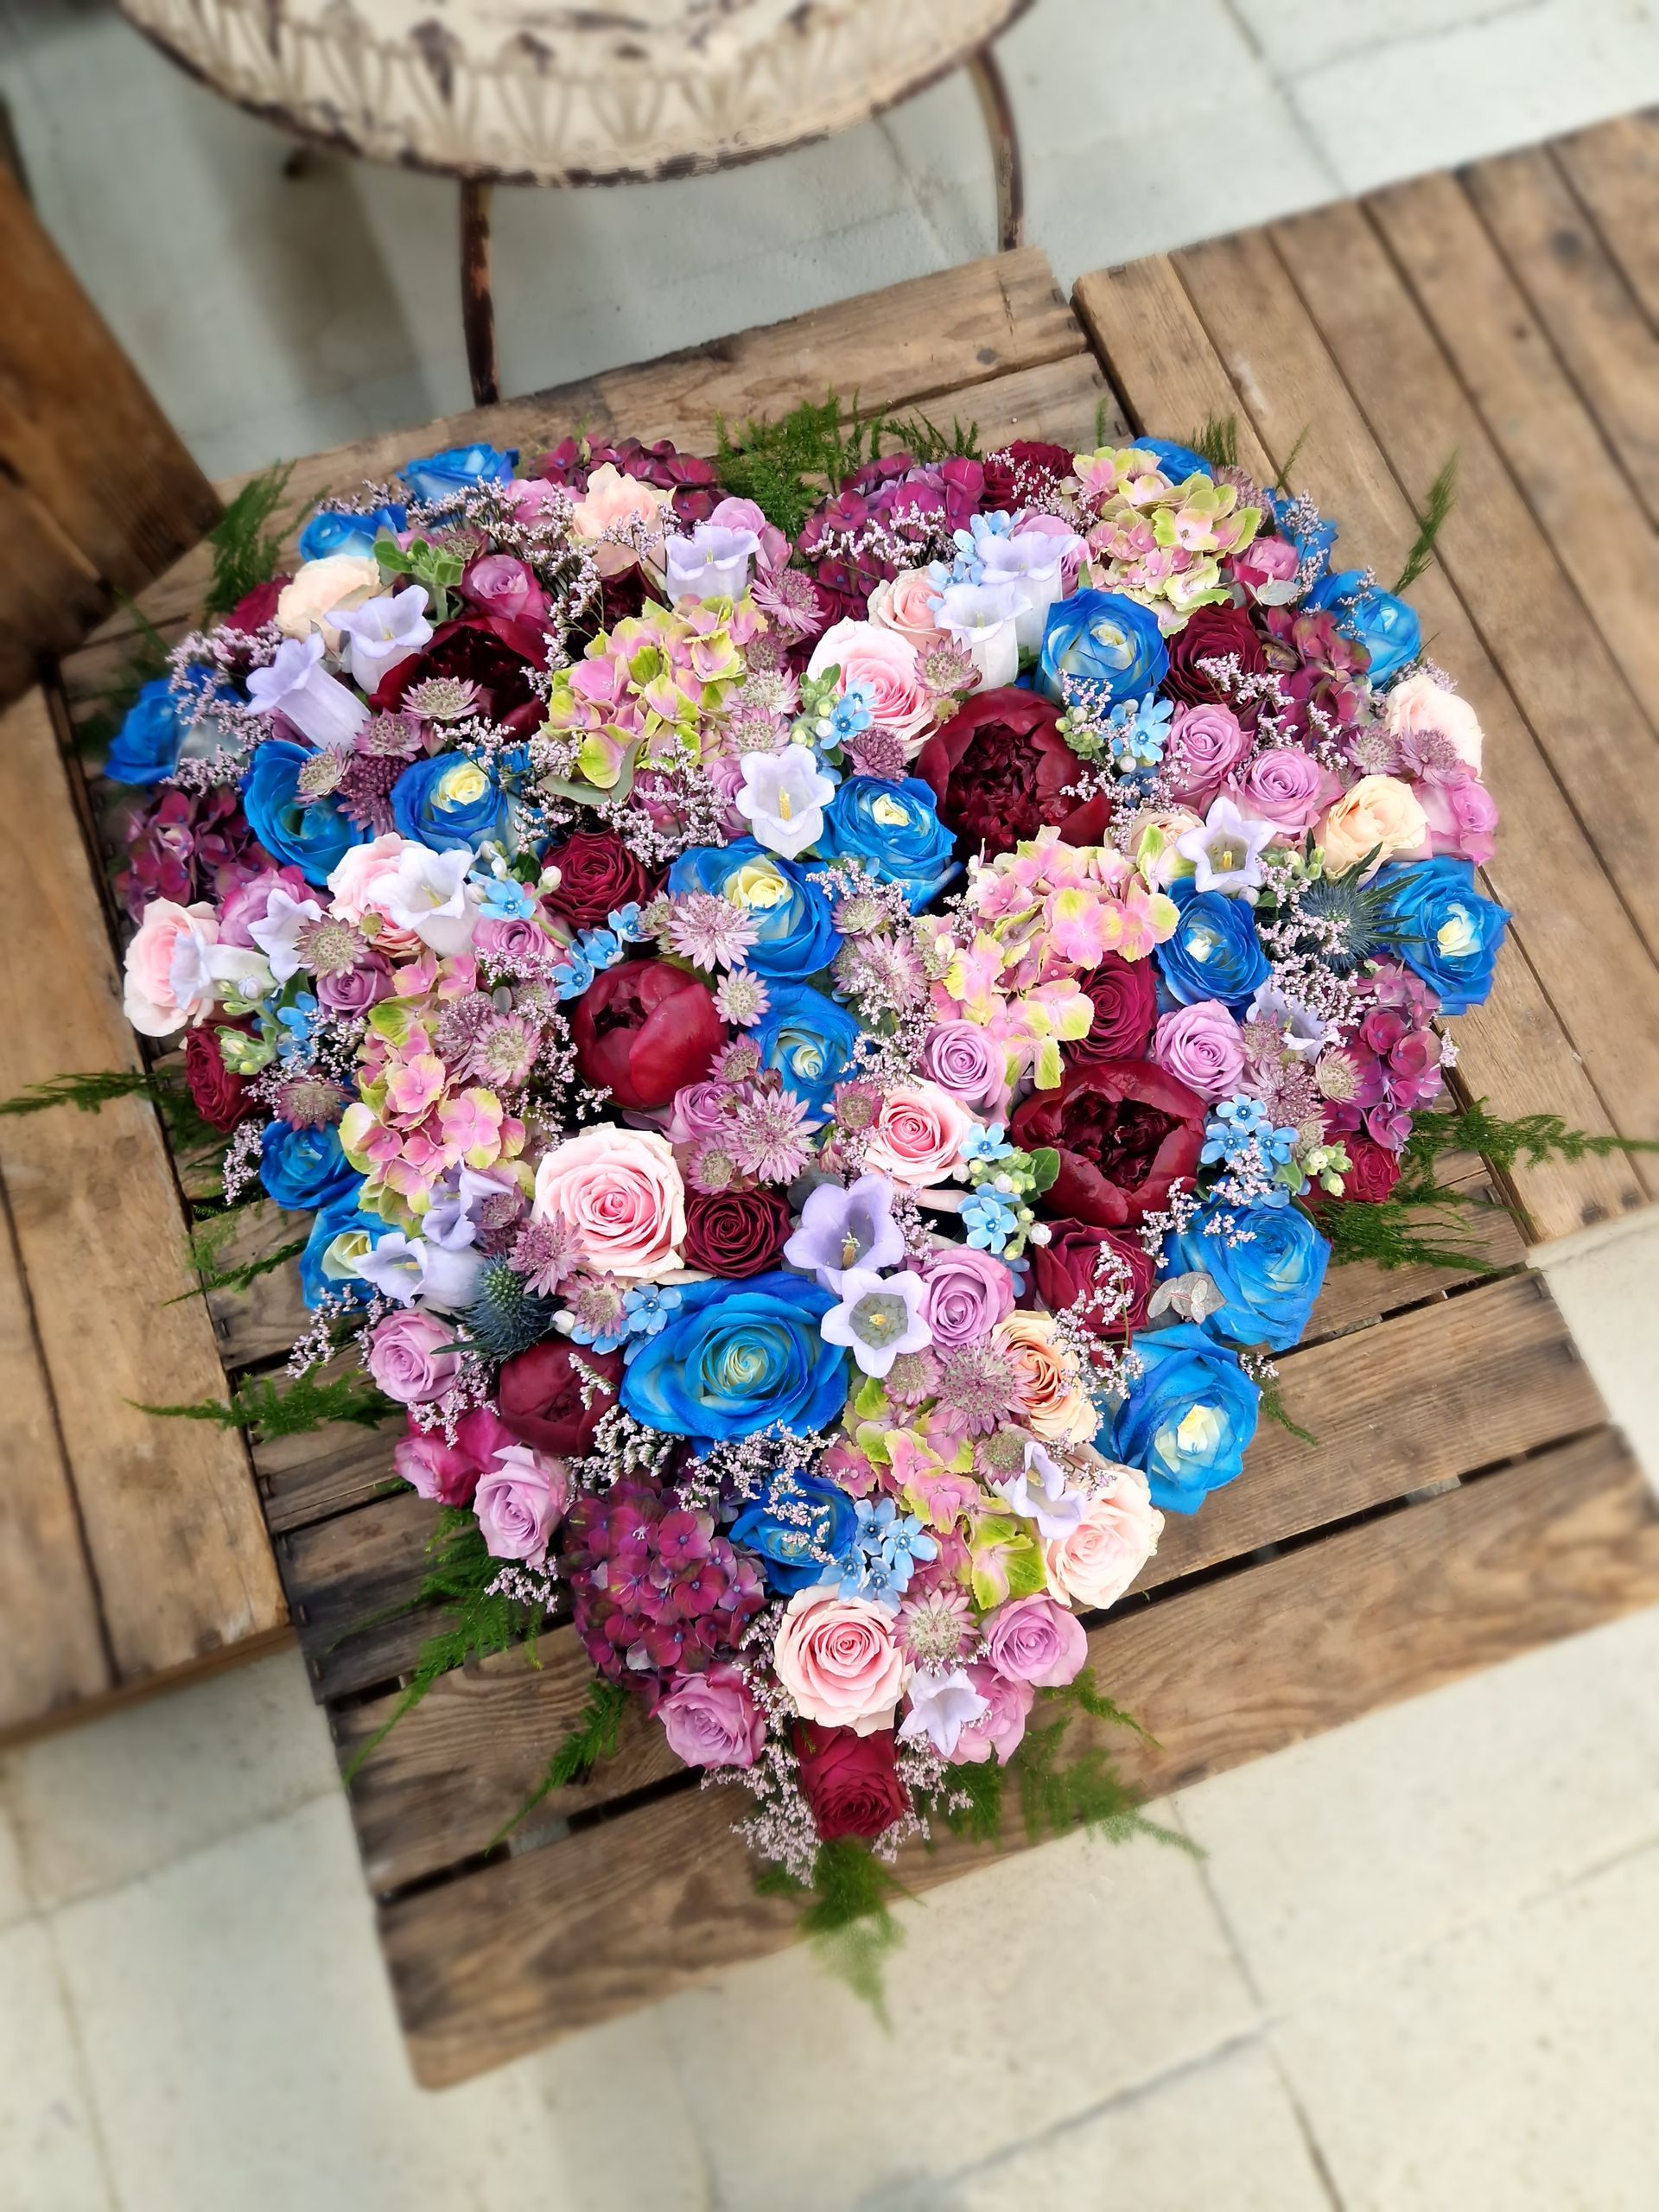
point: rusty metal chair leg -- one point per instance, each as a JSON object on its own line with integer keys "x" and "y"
{"x": 477, "y": 304}
{"x": 998, "y": 111}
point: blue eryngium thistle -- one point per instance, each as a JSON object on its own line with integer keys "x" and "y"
{"x": 506, "y": 1315}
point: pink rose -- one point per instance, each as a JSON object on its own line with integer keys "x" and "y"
{"x": 515, "y": 939}
{"x": 358, "y": 988}
{"x": 710, "y": 1719}
{"x": 1202, "y": 1046}
{"x": 620, "y": 1192}
{"x": 1094, "y": 1564}
{"x": 904, "y": 604}
{"x": 624, "y": 505}
{"x": 1421, "y": 707}
{"x": 412, "y": 1357}
{"x": 248, "y": 901}
{"x": 1286, "y": 786}
{"x": 1205, "y": 743}
{"x": 866, "y": 653}
{"x": 1002, "y": 1726}
{"x": 521, "y": 1498}
{"x": 918, "y": 1134}
{"x": 966, "y": 1293}
{"x": 1461, "y": 815}
{"x": 837, "y": 1659}
{"x": 1035, "y": 1640}
{"x": 1264, "y": 560}
{"x": 744, "y": 514}
{"x": 960, "y": 1059}
{"x": 365, "y": 879}
{"x": 167, "y": 981}
{"x": 448, "y": 1473}
{"x": 502, "y": 585}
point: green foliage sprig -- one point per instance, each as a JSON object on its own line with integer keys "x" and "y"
{"x": 87, "y": 1093}
{"x": 267, "y": 1410}
{"x": 1442, "y": 497}
{"x": 1217, "y": 441}
{"x": 849, "y": 1921}
{"x": 207, "y": 1240}
{"x": 593, "y": 1738}
{"x": 246, "y": 550}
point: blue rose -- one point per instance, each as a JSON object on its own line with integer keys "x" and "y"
{"x": 797, "y": 935}
{"x": 328, "y": 532}
{"x": 797, "y": 1525}
{"x": 894, "y": 830}
{"x": 1430, "y": 914}
{"x": 1189, "y": 1417}
{"x": 446, "y": 802}
{"x": 1215, "y": 952}
{"x": 1385, "y": 625}
{"x": 146, "y": 746}
{"x": 1177, "y": 462}
{"x": 457, "y": 468}
{"x": 322, "y": 1272}
{"x": 304, "y": 1170}
{"x": 1100, "y": 637}
{"x": 314, "y": 838}
{"x": 808, "y": 1039}
{"x": 1266, "y": 1261}
{"x": 739, "y": 1356}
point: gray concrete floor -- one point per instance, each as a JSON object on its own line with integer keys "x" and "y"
{"x": 1419, "y": 1968}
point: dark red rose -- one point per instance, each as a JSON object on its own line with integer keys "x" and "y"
{"x": 1212, "y": 633}
{"x": 494, "y": 651}
{"x": 1126, "y": 1007}
{"x": 1124, "y": 1130}
{"x": 1062, "y": 1271}
{"x": 219, "y": 1096}
{"x": 1014, "y": 471}
{"x": 259, "y": 606}
{"x": 851, "y": 1782}
{"x": 539, "y": 1395}
{"x": 597, "y": 874}
{"x": 735, "y": 1232}
{"x": 1373, "y": 1173}
{"x": 999, "y": 772}
{"x": 643, "y": 1030}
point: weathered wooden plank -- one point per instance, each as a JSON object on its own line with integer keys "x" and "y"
{"x": 1580, "y": 296}
{"x": 342, "y": 1576}
{"x": 51, "y": 1652}
{"x": 1614, "y": 169}
{"x": 322, "y": 1473}
{"x": 1527, "y": 1049}
{"x": 907, "y": 345}
{"x": 1490, "y": 1374}
{"x": 627, "y": 1911}
{"x": 1582, "y": 502}
{"x": 169, "y": 1510}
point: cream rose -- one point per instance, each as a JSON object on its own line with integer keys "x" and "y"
{"x": 168, "y": 978}
{"x": 1094, "y": 1564}
{"x": 364, "y": 880}
{"x": 319, "y": 587}
{"x": 1420, "y": 706}
{"x": 621, "y": 1193}
{"x": 904, "y": 604}
{"x": 838, "y": 1661}
{"x": 918, "y": 1134}
{"x": 1053, "y": 1402}
{"x": 1380, "y": 815}
{"x": 866, "y": 653}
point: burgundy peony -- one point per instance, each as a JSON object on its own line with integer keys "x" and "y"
{"x": 643, "y": 1030}
{"x": 1211, "y": 633}
{"x": 1063, "y": 1270}
{"x": 219, "y": 1096}
{"x": 597, "y": 874}
{"x": 1126, "y": 1007}
{"x": 999, "y": 771}
{"x": 1373, "y": 1171}
{"x": 539, "y": 1395}
{"x": 1124, "y": 1131}
{"x": 494, "y": 651}
{"x": 735, "y": 1233}
{"x": 851, "y": 1782}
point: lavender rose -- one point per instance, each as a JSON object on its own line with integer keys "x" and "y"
{"x": 1205, "y": 743}
{"x": 966, "y": 1294}
{"x": 710, "y": 1719}
{"x": 413, "y": 1358}
{"x": 1286, "y": 786}
{"x": 1201, "y": 1046}
{"x": 358, "y": 988}
{"x": 514, "y": 939}
{"x": 521, "y": 1498}
{"x": 1035, "y": 1640}
{"x": 960, "y": 1058}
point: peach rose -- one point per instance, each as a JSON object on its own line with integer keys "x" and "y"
{"x": 918, "y": 1134}
{"x": 1420, "y": 706}
{"x": 1052, "y": 1402}
{"x": 319, "y": 587}
{"x": 620, "y": 1192}
{"x": 904, "y": 604}
{"x": 866, "y": 653}
{"x": 1380, "y": 815}
{"x": 167, "y": 981}
{"x": 838, "y": 1661}
{"x": 613, "y": 501}
{"x": 1094, "y": 1564}
{"x": 365, "y": 879}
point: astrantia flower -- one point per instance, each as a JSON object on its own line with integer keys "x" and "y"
{"x": 770, "y": 1137}
{"x": 544, "y": 1253}
{"x": 442, "y": 699}
{"x": 976, "y": 1390}
{"x": 935, "y": 1632}
{"x": 709, "y": 930}
{"x": 792, "y": 599}
{"x": 329, "y": 947}
{"x": 741, "y": 998}
{"x": 503, "y": 1053}
{"x": 712, "y": 1167}
{"x": 309, "y": 1102}
{"x": 879, "y": 752}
